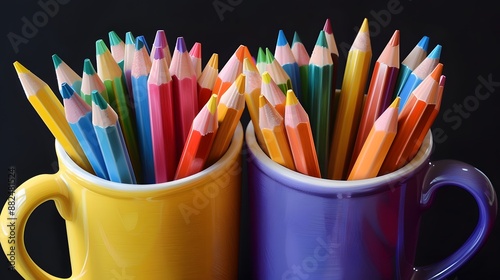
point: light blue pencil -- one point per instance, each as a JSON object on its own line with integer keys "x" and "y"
{"x": 79, "y": 116}
{"x": 418, "y": 75}
{"x": 141, "y": 66}
{"x": 111, "y": 141}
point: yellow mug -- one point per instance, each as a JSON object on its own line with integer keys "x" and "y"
{"x": 184, "y": 229}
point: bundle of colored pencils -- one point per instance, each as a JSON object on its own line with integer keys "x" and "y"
{"x": 372, "y": 126}
{"x": 146, "y": 115}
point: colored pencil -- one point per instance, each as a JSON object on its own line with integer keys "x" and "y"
{"x": 229, "y": 72}
{"x": 320, "y": 93}
{"x": 79, "y": 116}
{"x": 109, "y": 135}
{"x": 141, "y": 66}
{"x": 128, "y": 58}
{"x": 65, "y": 74}
{"x": 332, "y": 46}
{"x": 411, "y": 61}
{"x": 272, "y": 124}
{"x": 273, "y": 93}
{"x": 185, "y": 90}
{"x": 117, "y": 48}
{"x": 432, "y": 117}
{"x": 277, "y": 72}
{"x": 380, "y": 90}
{"x": 229, "y": 111}
{"x": 284, "y": 55}
{"x": 51, "y": 111}
{"x": 377, "y": 144}
{"x": 253, "y": 82}
{"x": 161, "y": 106}
{"x": 90, "y": 82}
{"x": 300, "y": 138}
{"x": 302, "y": 57}
{"x": 195, "y": 54}
{"x": 418, "y": 75}
{"x": 161, "y": 41}
{"x": 261, "y": 62}
{"x": 113, "y": 79}
{"x": 247, "y": 54}
{"x": 412, "y": 120}
{"x": 350, "y": 103}
{"x": 206, "y": 81}
{"x": 199, "y": 141}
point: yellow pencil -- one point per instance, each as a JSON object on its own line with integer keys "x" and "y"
{"x": 229, "y": 111}
{"x": 51, "y": 111}
{"x": 273, "y": 129}
{"x": 349, "y": 109}
{"x": 377, "y": 144}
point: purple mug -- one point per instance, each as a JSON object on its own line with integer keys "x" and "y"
{"x": 310, "y": 228}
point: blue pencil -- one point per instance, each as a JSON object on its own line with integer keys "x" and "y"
{"x": 111, "y": 141}
{"x": 418, "y": 75}
{"x": 283, "y": 54}
{"x": 141, "y": 66}
{"x": 411, "y": 61}
{"x": 79, "y": 116}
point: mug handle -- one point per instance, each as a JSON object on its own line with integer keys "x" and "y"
{"x": 15, "y": 213}
{"x": 465, "y": 176}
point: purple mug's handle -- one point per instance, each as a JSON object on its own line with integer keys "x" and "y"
{"x": 457, "y": 173}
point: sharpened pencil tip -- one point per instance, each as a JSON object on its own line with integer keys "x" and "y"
{"x": 395, "y": 103}
{"x": 261, "y": 55}
{"x": 114, "y": 39}
{"x": 160, "y": 39}
{"x": 424, "y": 43}
{"x": 195, "y": 50}
{"x": 20, "y": 68}
{"x": 240, "y": 83}
{"x": 291, "y": 99}
{"x": 212, "y": 104}
{"x": 296, "y": 38}
{"x": 88, "y": 68}
{"x": 436, "y": 52}
{"x": 214, "y": 61}
{"x": 266, "y": 77}
{"x": 321, "y": 41}
{"x": 129, "y": 38}
{"x": 56, "y": 60}
{"x": 98, "y": 100}
{"x": 100, "y": 47}
{"x": 66, "y": 91}
{"x": 180, "y": 45}
{"x": 364, "y": 26}
{"x": 436, "y": 73}
{"x": 269, "y": 56}
{"x": 262, "y": 101}
{"x": 282, "y": 41}
{"x": 158, "y": 53}
{"x": 139, "y": 43}
{"x": 394, "y": 39}
{"x": 328, "y": 26}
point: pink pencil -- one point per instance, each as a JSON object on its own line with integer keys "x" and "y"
{"x": 161, "y": 107}
{"x": 195, "y": 54}
{"x": 185, "y": 90}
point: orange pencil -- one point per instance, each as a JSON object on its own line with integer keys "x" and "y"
{"x": 229, "y": 111}
{"x": 207, "y": 79}
{"x": 253, "y": 82}
{"x": 273, "y": 129}
{"x": 199, "y": 141}
{"x": 377, "y": 144}
{"x": 430, "y": 121}
{"x": 273, "y": 93}
{"x": 229, "y": 72}
{"x": 412, "y": 120}
{"x": 380, "y": 91}
{"x": 300, "y": 137}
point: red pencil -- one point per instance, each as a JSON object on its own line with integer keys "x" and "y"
{"x": 185, "y": 89}
{"x": 199, "y": 141}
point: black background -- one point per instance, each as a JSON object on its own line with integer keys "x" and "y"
{"x": 467, "y": 32}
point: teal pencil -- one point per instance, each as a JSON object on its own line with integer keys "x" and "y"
{"x": 111, "y": 141}
{"x": 302, "y": 57}
{"x": 128, "y": 58}
{"x": 117, "y": 48}
{"x": 418, "y": 75}
{"x": 65, "y": 74}
{"x": 283, "y": 54}
{"x": 411, "y": 61}
{"x": 79, "y": 116}
{"x": 320, "y": 93}
{"x": 90, "y": 82}
{"x": 141, "y": 67}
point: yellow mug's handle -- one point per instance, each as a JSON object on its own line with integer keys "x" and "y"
{"x": 15, "y": 213}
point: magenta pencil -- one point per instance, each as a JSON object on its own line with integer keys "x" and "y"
{"x": 185, "y": 89}
{"x": 161, "y": 107}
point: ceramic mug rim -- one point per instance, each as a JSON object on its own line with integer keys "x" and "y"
{"x": 340, "y": 188}
{"x": 102, "y": 185}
